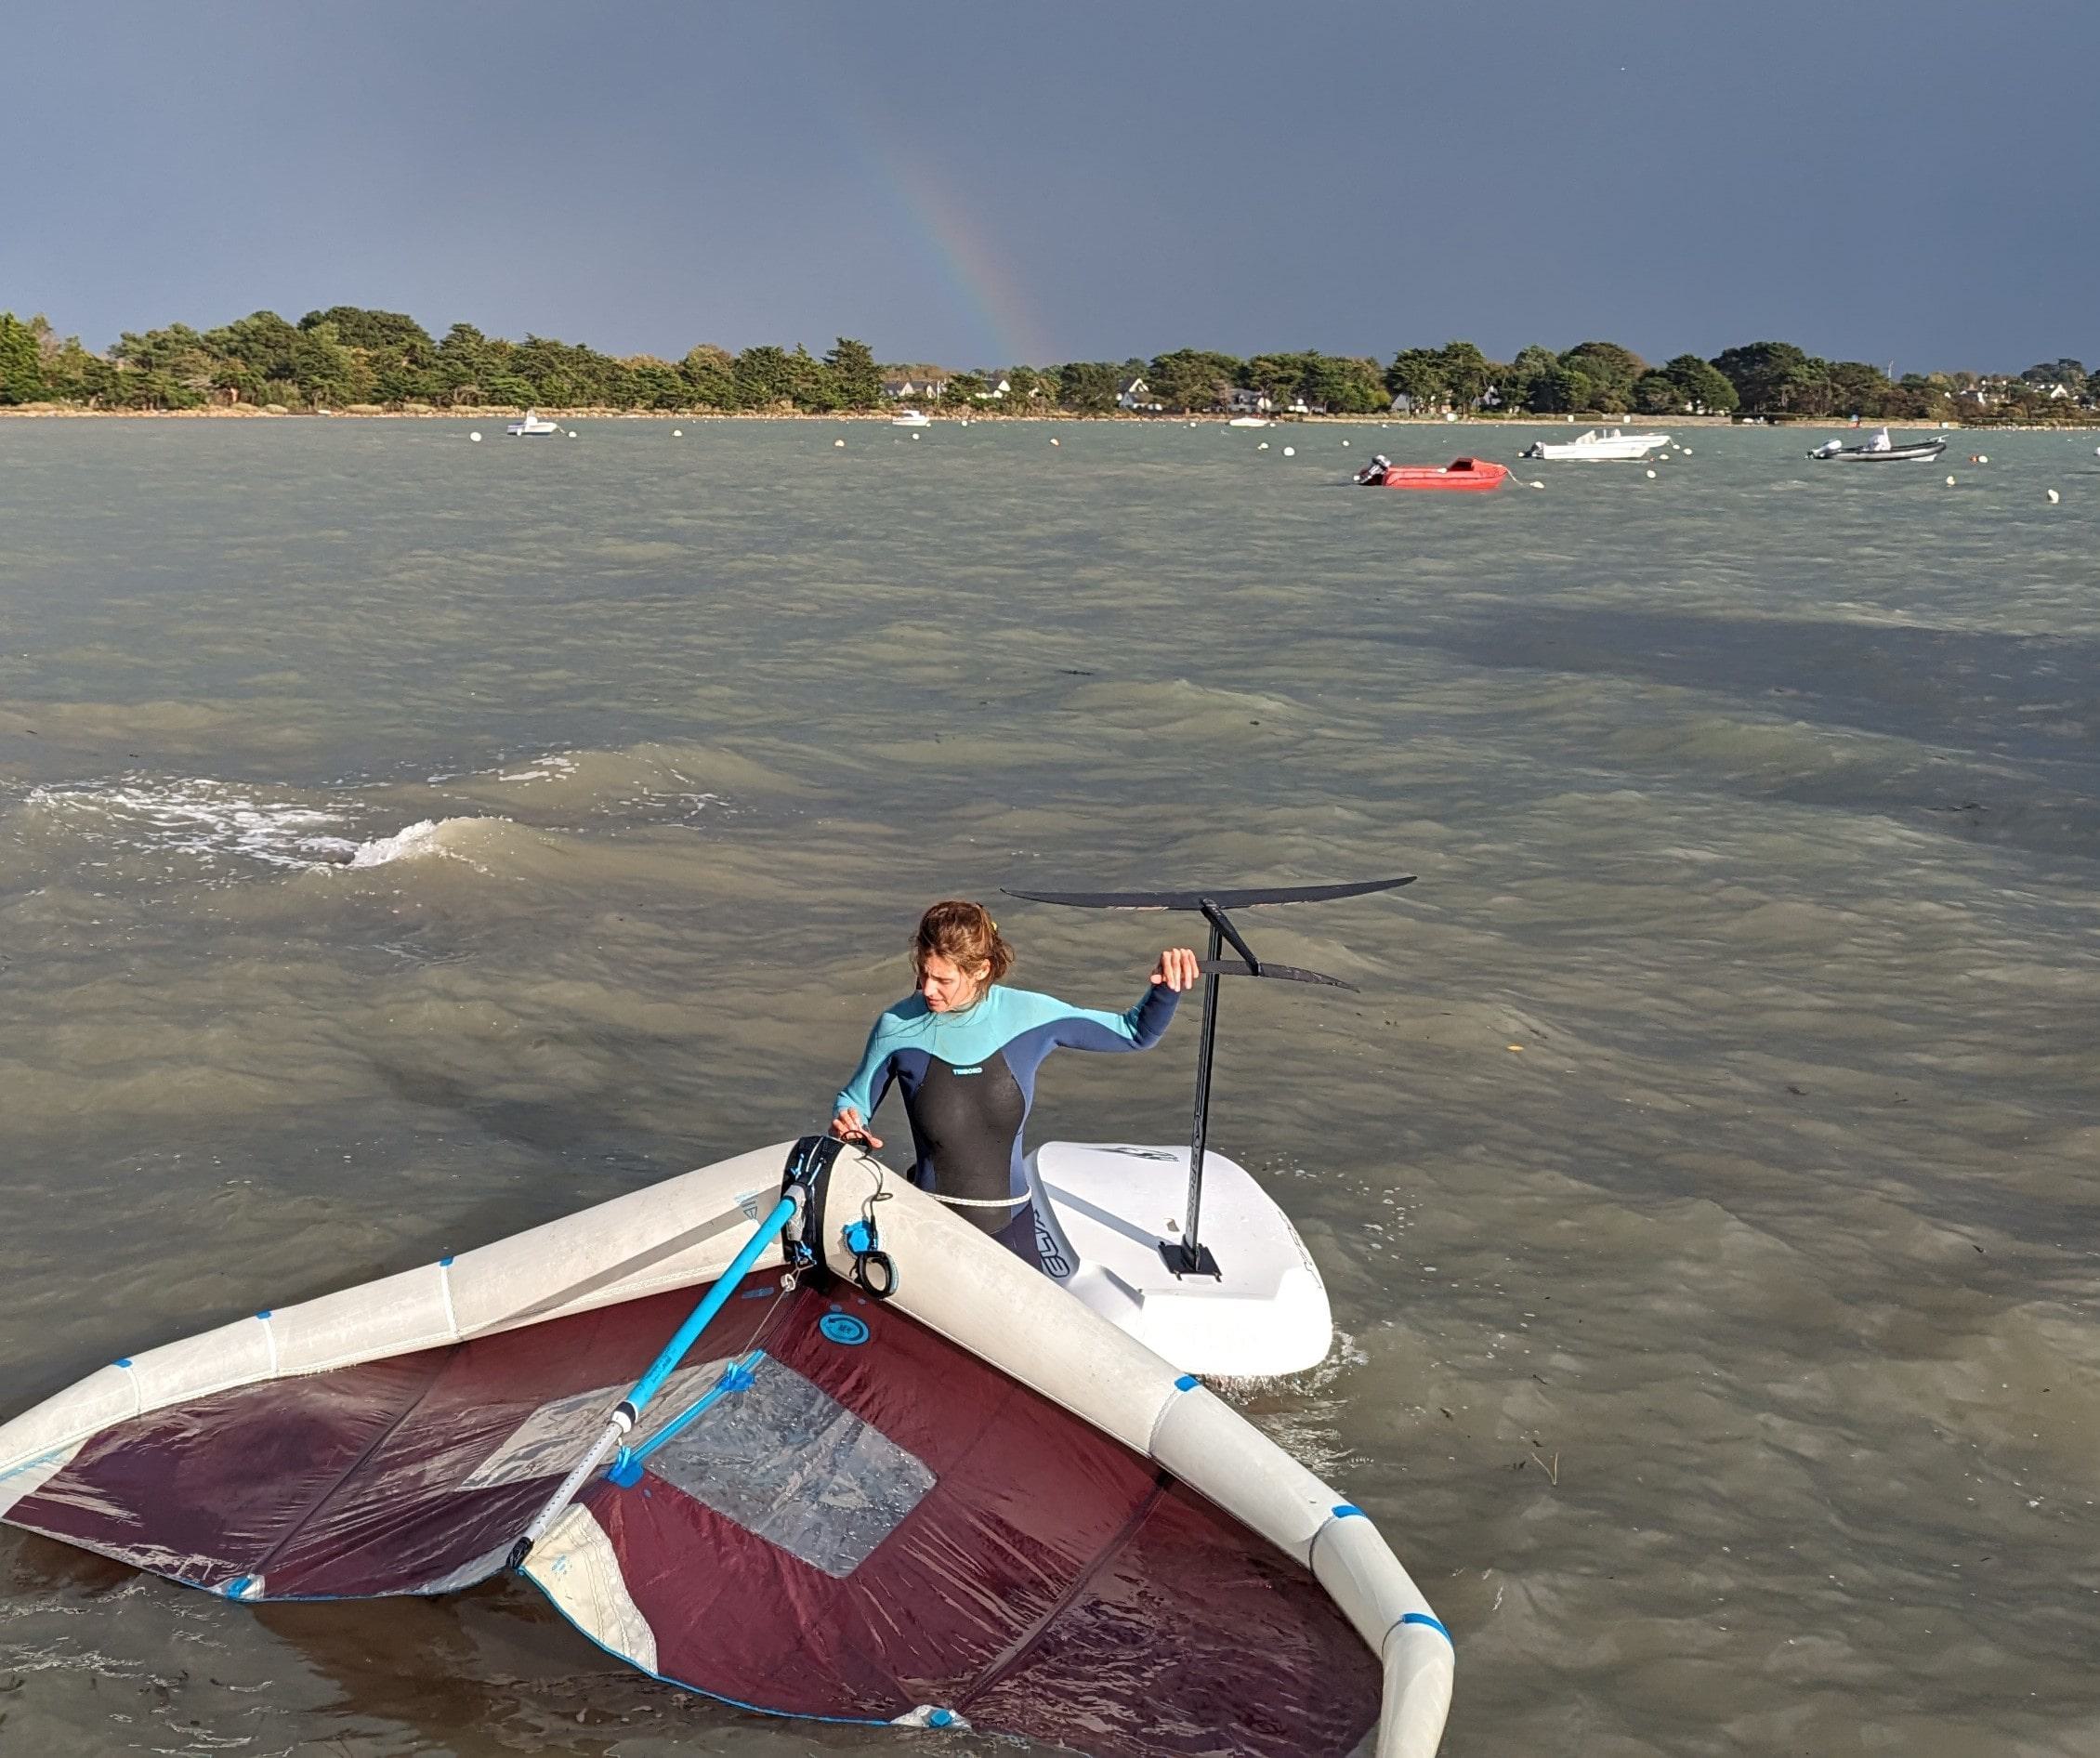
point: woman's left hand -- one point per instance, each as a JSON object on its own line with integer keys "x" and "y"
{"x": 1177, "y": 969}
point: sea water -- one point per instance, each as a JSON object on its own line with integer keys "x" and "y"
{"x": 403, "y": 842}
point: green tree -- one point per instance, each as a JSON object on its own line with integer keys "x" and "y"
{"x": 2066, "y": 371}
{"x": 710, "y": 375}
{"x": 1706, "y": 390}
{"x": 765, "y": 378}
{"x": 73, "y": 375}
{"x": 392, "y": 335}
{"x": 262, "y": 342}
{"x": 1279, "y": 378}
{"x": 1775, "y": 378}
{"x": 1465, "y": 373}
{"x": 856, "y": 379}
{"x": 1417, "y": 373}
{"x": 22, "y": 362}
{"x": 1612, "y": 369}
{"x": 655, "y": 383}
{"x": 1345, "y": 385}
{"x": 508, "y": 388}
{"x": 1658, "y": 394}
{"x": 179, "y": 358}
{"x": 1088, "y": 386}
{"x": 1190, "y": 379}
{"x": 1857, "y": 388}
{"x": 1563, "y": 390}
{"x": 464, "y": 361}
{"x": 328, "y": 373}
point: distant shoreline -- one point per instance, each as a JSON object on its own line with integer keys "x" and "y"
{"x": 881, "y": 418}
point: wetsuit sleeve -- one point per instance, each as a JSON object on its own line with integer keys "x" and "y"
{"x": 1140, "y": 1029}
{"x": 870, "y": 1080}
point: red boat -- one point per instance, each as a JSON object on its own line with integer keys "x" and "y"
{"x": 1471, "y": 474}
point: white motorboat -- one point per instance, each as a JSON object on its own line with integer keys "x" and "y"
{"x": 533, "y": 426}
{"x": 910, "y": 418}
{"x": 1612, "y": 447}
{"x": 1248, "y": 421}
{"x": 1880, "y": 449}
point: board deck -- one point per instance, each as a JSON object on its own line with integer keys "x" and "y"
{"x": 1102, "y": 1210}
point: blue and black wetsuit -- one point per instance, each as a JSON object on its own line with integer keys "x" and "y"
{"x": 969, "y": 1083}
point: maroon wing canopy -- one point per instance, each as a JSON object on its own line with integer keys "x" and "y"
{"x": 878, "y": 1523}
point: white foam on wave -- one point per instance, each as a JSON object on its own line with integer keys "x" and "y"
{"x": 208, "y": 819}
{"x": 425, "y": 837}
{"x": 538, "y": 769}
{"x": 225, "y": 826}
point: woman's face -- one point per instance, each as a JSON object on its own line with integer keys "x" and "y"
{"x": 946, "y": 985}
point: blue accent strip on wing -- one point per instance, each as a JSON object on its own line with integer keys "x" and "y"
{"x": 1423, "y": 1616}
{"x": 1348, "y": 1510}
{"x": 1187, "y": 1383}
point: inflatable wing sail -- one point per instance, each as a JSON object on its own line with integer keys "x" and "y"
{"x": 973, "y": 1503}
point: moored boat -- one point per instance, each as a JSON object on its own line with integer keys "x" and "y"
{"x": 1880, "y": 449}
{"x": 533, "y": 426}
{"x": 910, "y": 418}
{"x": 1462, "y": 475}
{"x": 1598, "y": 448}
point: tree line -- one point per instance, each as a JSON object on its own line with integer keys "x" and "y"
{"x": 349, "y": 357}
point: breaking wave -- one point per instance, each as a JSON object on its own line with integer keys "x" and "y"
{"x": 225, "y": 828}
{"x": 211, "y": 820}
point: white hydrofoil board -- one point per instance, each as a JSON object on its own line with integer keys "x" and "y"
{"x": 1102, "y": 1210}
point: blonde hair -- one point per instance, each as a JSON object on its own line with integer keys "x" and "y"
{"x": 965, "y": 934}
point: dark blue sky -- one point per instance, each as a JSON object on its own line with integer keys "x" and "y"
{"x": 977, "y": 183}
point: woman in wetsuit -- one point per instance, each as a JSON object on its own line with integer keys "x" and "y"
{"x": 966, "y": 1051}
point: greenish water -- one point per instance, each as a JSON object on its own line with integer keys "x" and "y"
{"x": 403, "y": 841}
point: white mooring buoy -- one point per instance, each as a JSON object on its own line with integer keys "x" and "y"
{"x": 476, "y": 438}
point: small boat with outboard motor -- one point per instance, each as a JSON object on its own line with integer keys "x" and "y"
{"x": 1595, "y": 447}
{"x": 910, "y": 418}
{"x": 533, "y": 426}
{"x": 790, "y": 1432}
{"x": 1460, "y": 475}
{"x": 1880, "y": 449}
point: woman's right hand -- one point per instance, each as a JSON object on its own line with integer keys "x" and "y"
{"x": 848, "y": 1126}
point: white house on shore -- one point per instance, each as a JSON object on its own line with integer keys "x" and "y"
{"x": 927, "y": 388}
{"x": 1134, "y": 393}
{"x": 1242, "y": 401}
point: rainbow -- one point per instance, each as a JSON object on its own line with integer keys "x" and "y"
{"x": 972, "y": 266}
